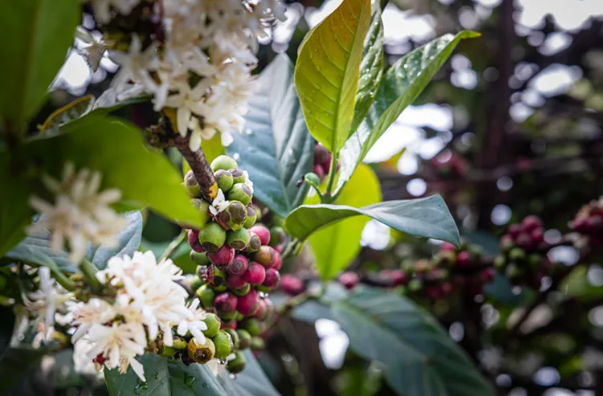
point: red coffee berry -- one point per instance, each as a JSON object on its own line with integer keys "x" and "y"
{"x": 321, "y": 154}
{"x": 277, "y": 260}
{"x": 464, "y": 259}
{"x": 319, "y": 171}
{"x": 272, "y": 278}
{"x": 530, "y": 223}
{"x": 447, "y": 247}
{"x": 514, "y": 230}
{"x": 262, "y": 310}
{"x": 398, "y": 277}
{"x": 262, "y": 232}
{"x": 265, "y": 256}
{"x": 223, "y": 256}
{"x": 292, "y": 285}
{"x": 193, "y": 241}
{"x": 238, "y": 266}
{"x": 235, "y": 281}
{"x": 524, "y": 240}
{"x": 248, "y": 304}
{"x": 537, "y": 236}
{"x": 225, "y": 303}
{"x": 255, "y": 274}
{"x": 487, "y": 275}
{"x": 228, "y": 325}
{"x": 348, "y": 280}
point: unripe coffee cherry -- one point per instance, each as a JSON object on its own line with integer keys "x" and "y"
{"x": 252, "y": 326}
{"x": 242, "y": 291}
{"x": 190, "y": 185}
{"x": 223, "y": 162}
{"x": 312, "y": 178}
{"x": 234, "y": 337}
{"x": 277, "y": 236}
{"x": 225, "y": 317}
{"x": 292, "y": 285}
{"x": 201, "y": 353}
{"x": 203, "y": 209}
{"x": 237, "y": 176}
{"x": 206, "y": 295}
{"x": 244, "y": 338}
{"x": 238, "y": 239}
{"x": 238, "y": 266}
{"x": 272, "y": 279}
{"x": 224, "y": 180}
{"x": 225, "y": 303}
{"x": 193, "y": 241}
{"x": 264, "y": 256}
{"x": 349, "y": 280}
{"x": 254, "y": 243}
{"x": 223, "y": 345}
{"x": 248, "y": 304}
{"x": 217, "y": 277}
{"x": 261, "y": 232}
{"x": 237, "y": 364}
{"x": 517, "y": 254}
{"x": 257, "y": 343}
{"x": 234, "y": 216}
{"x": 255, "y": 273}
{"x": 415, "y": 285}
{"x": 212, "y": 237}
{"x": 251, "y": 217}
{"x": 223, "y": 257}
{"x": 240, "y": 192}
{"x": 235, "y": 281}
{"x": 167, "y": 351}
{"x": 199, "y": 258}
{"x": 213, "y": 325}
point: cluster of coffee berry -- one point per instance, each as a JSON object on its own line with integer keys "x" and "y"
{"x": 523, "y": 256}
{"x": 589, "y": 223}
{"x": 238, "y": 262}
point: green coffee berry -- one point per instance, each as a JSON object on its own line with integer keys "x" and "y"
{"x": 255, "y": 243}
{"x": 237, "y": 364}
{"x": 200, "y": 258}
{"x": 242, "y": 291}
{"x": 223, "y": 162}
{"x": 415, "y": 285}
{"x": 206, "y": 295}
{"x": 312, "y": 179}
{"x": 213, "y": 325}
{"x": 534, "y": 260}
{"x": 195, "y": 282}
{"x": 223, "y": 345}
{"x": 179, "y": 343}
{"x": 234, "y": 216}
{"x": 228, "y": 316}
{"x": 190, "y": 185}
{"x": 277, "y": 236}
{"x": 167, "y": 351}
{"x": 257, "y": 343}
{"x": 258, "y": 212}
{"x": 212, "y": 237}
{"x": 517, "y": 254}
{"x": 203, "y": 208}
{"x": 234, "y": 337}
{"x": 201, "y": 353}
{"x": 237, "y": 176}
{"x": 224, "y": 180}
{"x": 219, "y": 278}
{"x": 238, "y": 239}
{"x": 500, "y": 262}
{"x": 251, "y": 217}
{"x": 240, "y": 192}
{"x": 244, "y": 338}
{"x": 252, "y": 326}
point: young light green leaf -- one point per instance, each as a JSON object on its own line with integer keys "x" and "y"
{"x": 418, "y": 356}
{"x": 401, "y": 85}
{"x": 36, "y": 37}
{"x": 425, "y": 217}
{"x": 328, "y": 69}
{"x": 276, "y": 148}
{"x": 335, "y": 246}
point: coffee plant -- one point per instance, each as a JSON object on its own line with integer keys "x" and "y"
{"x": 255, "y": 170}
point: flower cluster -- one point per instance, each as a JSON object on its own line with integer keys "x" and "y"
{"x": 80, "y": 213}
{"x": 196, "y": 57}
{"x": 238, "y": 260}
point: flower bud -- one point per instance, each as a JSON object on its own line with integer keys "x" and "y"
{"x": 242, "y": 291}
{"x": 235, "y": 281}
{"x": 199, "y": 258}
{"x": 238, "y": 266}
{"x": 234, "y": 337}
{"x": 190, "y": 185}
{"x": 213, "y": 325}
{"x": 244, "y": 338}
{"x": 237, "y": 364}
{"x": 277, "y": 236}
{"x": 212, "y": 237}
{"x": 223, "y": 257}
{"x": 223, "y": 162}
{"x": 272, "y": 279}
{"x": 257, "y": 343}
{"x": 223, "y": 344}
{"x": 261, "y": 232}
{"x": 251, "y": 217}
{"x": 264, "y": 256}
{"x": 225, "y": 303}
{"x": 224, "y": 180}
{"x": 193, "y": 241}
{"x": 252, "y": 326}
{"x": 237, "y": 176}
{"x": 254, "y": 243}
{"x": 248, "y": 304}
{"x": 255, "y": 274}
{"x": 234, "y": 216}
{"x": 292, "y": 285}
{"x": 206, "y": 295}
{"x": 238, "y": 239}
{"x": 349, "y": 280}
{"x": 201, "y": 353}
{"x": 240, "y": 192}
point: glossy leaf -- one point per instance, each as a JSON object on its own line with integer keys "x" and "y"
{"x": 15, "y": 212}
{"x": 425, "y": 217}
{"x": 328, "y": 70}
{"x": 128, "y": 241}
{"x": 400, "y": 86}
{"x": 418, "y": 356}
{"x": 371, "y": 67}
{"x": 275, "y": 147}
{"x": 336, "y": 245}
{"x": 36, "y": 37}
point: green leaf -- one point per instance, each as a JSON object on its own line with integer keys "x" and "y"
{"x": 371, "y": 67}
{"x": 128, "y": 241}
{"x": 36, "y": 37}
{"x": 328, "y": 70}
{"x": 401, "y": 85}
{"x": 165, "y": 378}
{"x": 418, "y": 356}
{"x": 335, "y": 246}
{"x": 276, "y": 148}
{"x": 425, "y": 217}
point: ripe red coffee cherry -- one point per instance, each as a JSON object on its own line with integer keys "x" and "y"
{"x": 464, "y": 259}
{"x": 530, "y": 223}
{"x": 398, "y": 277}
{"x": 193, "y": 241}
{"x": 514, "y": 230}
{"x": 238, "y": 266}
{"x": 348, "y": 279}
{"x": 262, "y": 232}
{"x": 255, "y": 274}
{"x": 265, "y": 256}
{"x": 235, "y": 281}
{"x": 321, "y": 154}
{"x": 318, "y": 169}
{"x": 223, "y": 256}
{"x": 225, "y": 303}
{"x": 272, "y": 278}
{"x": 248, "y": 304}
{"x": 292, "y": 285}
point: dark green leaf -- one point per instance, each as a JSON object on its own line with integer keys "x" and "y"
{"x": 418, "y": 356}
{"x": 276, "y": 147}
{"x": 36, "y": 36}
{"x": 128, "y": 241}
{"x": 426, "y": 217}
{"x": 401, "y": 85}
